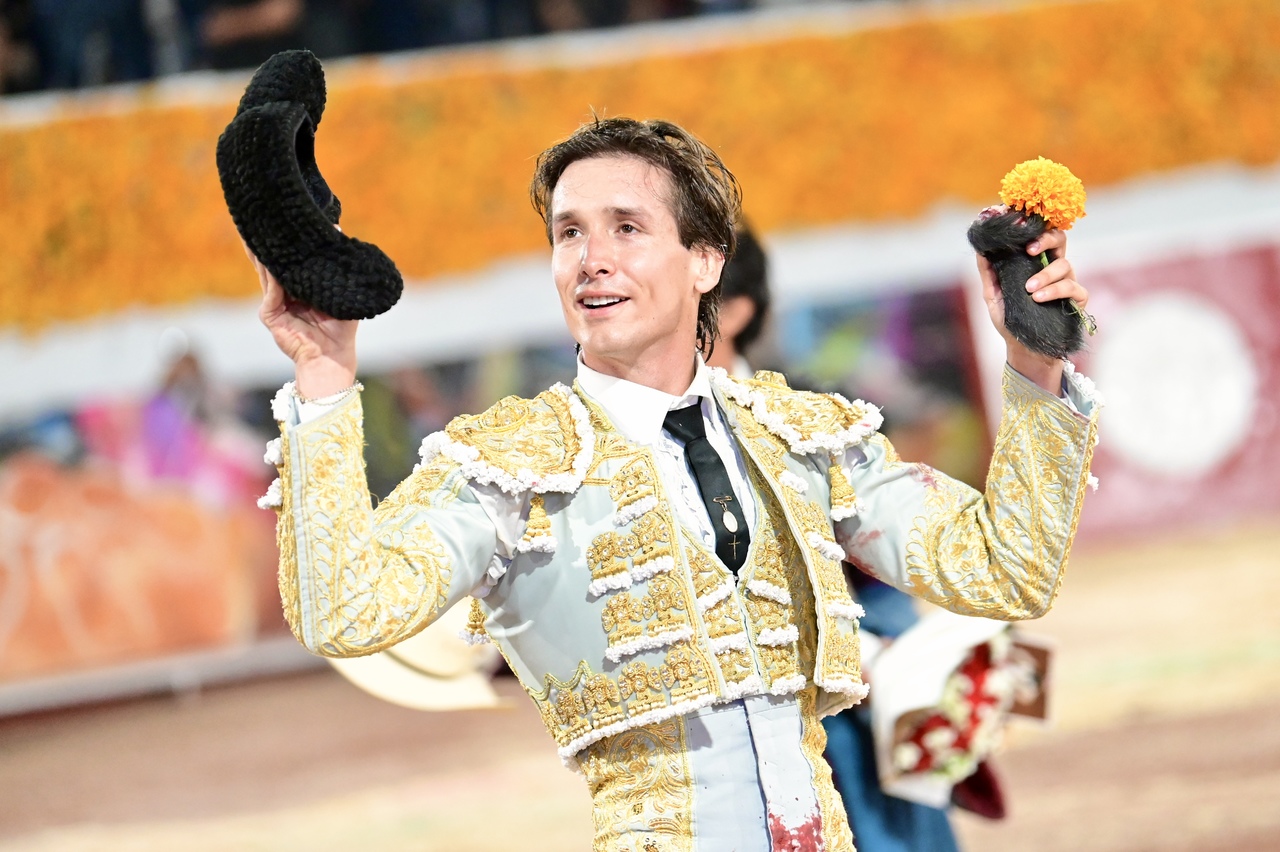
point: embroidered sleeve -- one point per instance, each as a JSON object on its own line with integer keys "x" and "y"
{"x": 1001, "y": 554}
{"x": 355, "y": 580}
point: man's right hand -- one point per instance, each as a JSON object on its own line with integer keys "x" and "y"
{"x": 323, "y": 349}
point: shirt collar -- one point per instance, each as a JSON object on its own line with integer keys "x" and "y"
{"x": 636, "y": 410}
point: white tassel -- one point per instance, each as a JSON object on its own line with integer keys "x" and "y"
{"x": 275, "y": 452}
{"x": 714, "y": 596}
{"x": 274, "y": 498}
{"x": 282, "y": 403}
{"x": 768, "y": 591}
{"x": 773, "y": 637}
{"x": 825, "y": 546}
{"x": 793, "y": 482}
{"x": 615, "y": 653}
{"x": 850, "y": 610}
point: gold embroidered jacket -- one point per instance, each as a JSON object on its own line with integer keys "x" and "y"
{"x": 614, "y": 616}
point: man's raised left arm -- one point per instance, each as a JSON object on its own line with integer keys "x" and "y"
{"x": 999, "y": 554}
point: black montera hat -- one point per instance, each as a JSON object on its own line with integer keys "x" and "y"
{"x": 282, "y": 206}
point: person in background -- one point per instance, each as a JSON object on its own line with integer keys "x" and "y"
{"x": 91, "y": 42}
{"x": 244, "y": 33}
{"x": 744, "y": 305}
{"x": 19, "y": 68}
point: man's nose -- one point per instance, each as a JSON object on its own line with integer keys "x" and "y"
{"x": 597, "y": 256}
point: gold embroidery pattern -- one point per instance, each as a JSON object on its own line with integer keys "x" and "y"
{"x": 843, "y": 497}
{"x": 602, "y": 699}
{"x": 1007, "y": 563}
{"x": 805, "y": 414}
{"x": 708, "y": 573}
{"x": 767, "y": 615}
{"x": 286, "y": 542}
{"x": 607, "y": 558}
{"x": 780, "y": 563}
{"x": 828, "y": 647}
{"x": 641, "y": 789}
{"x": 836, "y": 834}
{"x": 616, "y": 559}
{"x": 769, "y": 566}
{"x": 371, "y": 579}
{"x": 652, "y": 533}
{"x": 538, "y": 435}
{"x": 634, "y": 482}
{"x": 735, "y": 665}
{"x": 724, "y": 618}
{"x": 814, "y": 521}
{"x": 638, "y": 624}
{"x": 591, "y": 702}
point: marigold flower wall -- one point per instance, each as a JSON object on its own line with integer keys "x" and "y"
{"x": 113, "y": 201}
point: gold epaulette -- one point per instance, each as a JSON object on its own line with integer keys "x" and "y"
{"x": 541, "y": 444}
{"x": 809, "y": 422}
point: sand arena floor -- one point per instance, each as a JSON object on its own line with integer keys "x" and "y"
{"x": 1166, "y": 737}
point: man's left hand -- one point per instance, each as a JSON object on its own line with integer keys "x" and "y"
{"x": 1055, "y": 281}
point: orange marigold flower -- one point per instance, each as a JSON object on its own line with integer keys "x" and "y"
{"x": 1046, "y": 188}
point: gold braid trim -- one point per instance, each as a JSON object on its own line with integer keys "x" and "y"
{"x": 287, "y": 577}
{"x": 836, "y": 834}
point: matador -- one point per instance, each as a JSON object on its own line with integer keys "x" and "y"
{"x": 656, "y": 550}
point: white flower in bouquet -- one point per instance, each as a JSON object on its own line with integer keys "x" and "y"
{"x": 955, "y": 702}
{"x": 999, "y": 684}
{"x": 939, "y": 739}
{"x": 906, "y": 756}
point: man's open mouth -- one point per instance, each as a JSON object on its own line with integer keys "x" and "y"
{"x": 594, "y": 302}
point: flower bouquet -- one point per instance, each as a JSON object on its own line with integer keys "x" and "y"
{"x": 941, "y": 694}
{"x": 950, "y": 739}
{"x": 1037, "y": 195}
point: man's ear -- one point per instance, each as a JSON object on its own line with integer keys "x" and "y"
{"x": 708, "y": 264}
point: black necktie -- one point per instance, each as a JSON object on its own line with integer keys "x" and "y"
{"x": 730, "y": 525}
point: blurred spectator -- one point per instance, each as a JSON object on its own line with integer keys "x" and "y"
{"x": 187, "y": 434}
{"x": 73, "y": 43}
{"x": 90, "y": 42}
{"x": 244, "y": 33}
{"x": 52, "y": 434}
{"x": 408, "y": 24}
{"x": 402, "y": 407}
{"x": 19, "y": 70}
{"x": 557, "y": 15}
{"x": 744, "y": 305}
{"x": 174, "y": 420}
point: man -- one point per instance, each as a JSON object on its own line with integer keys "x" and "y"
{"x": 656, "y": 551}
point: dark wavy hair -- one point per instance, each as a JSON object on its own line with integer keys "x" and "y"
{"x": 748, "y": 275}
{"x": 707, "y": 200}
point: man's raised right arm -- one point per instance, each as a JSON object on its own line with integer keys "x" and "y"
{"x": 354, "y": 580}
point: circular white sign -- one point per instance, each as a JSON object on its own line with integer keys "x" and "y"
{"x": 1180, "y": 383}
